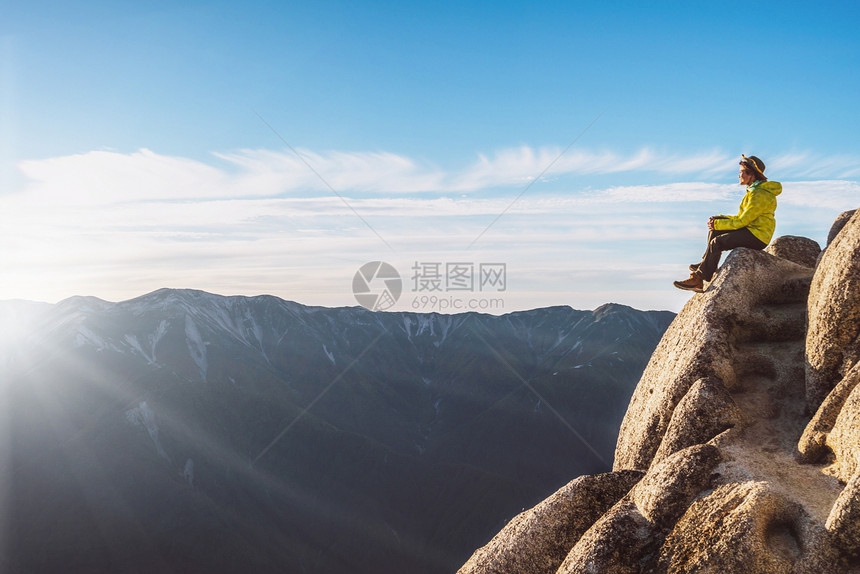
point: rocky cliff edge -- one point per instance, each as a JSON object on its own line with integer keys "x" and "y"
{"x": 740, "y": 449}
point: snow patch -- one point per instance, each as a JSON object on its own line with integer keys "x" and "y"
{"x": 328, "y": 354}
{"x": 154, "y": 338}
{"x": 407, "y": 326}
{"x": 430, "y": 323}
{"x": 144, "y": 416}
{"x": 147, "y": 350}
{"x": 196, "y": 346}
{"x": 135, "y": 344}
{"x": 86, "y": 336}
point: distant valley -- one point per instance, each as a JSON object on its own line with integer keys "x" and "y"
{"x": 189, "y": 432}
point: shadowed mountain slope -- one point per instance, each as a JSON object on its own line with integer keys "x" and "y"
{"x": 188, "y": 432}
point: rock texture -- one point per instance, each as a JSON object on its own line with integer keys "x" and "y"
{"x": 705, "y": 411}
{"x": 832, "y": 343}
{"x": 707, "y": 535}
{"x": 632, "y": 530}
{"x": 844, "y": 520}
{"x": 800, "y": 250}
{"x": 843, "y": 440}
{"x": 537, "y": 541}
{"x": 813, "y": 446}
{"x": 754, "y": 303}
{"x": 837, "y": 226}
{"x": 737, "y": 479}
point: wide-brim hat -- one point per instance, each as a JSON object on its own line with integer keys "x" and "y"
{"x": 754, "y": 164}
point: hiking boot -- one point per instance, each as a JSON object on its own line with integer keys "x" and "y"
{"x": 694, "y": 283}
{"x": 694, "y": 267}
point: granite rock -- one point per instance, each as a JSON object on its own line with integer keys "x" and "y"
{"x": 699, "y": 344}
{"x": 843, "y": 524}
{"x": 837, "y": 226}
{"x": 740, "y": 527}
{"x": 538, "y": 540}
{"x": 813, "y": 446}
{"x": 616, "y": 543}
{"x": 626, "y": 539}
{"x": 800, "y": 250}
{"x": 705, "y": 411}
{"x": 844, "y": 438}
{"x": 667, "y": 489}
{"x": 714, "y": 424}
{"x": 833, "y": 332}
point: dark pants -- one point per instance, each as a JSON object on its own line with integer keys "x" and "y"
{"x": 719, "y": 241}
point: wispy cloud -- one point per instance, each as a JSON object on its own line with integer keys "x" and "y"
{"x": 100, "y": 177}
{"x": 105, "y": 176}
{"x": 812, "y": 165}
{"x": 115, "y": 225}
{"x": 282, "y": 172}
{"x": 519, "y": 165}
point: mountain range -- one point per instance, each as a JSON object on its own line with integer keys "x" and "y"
{"x": 183, "y": 431}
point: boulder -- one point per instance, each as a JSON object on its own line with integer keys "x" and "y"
{"x": 616, "y": 543}
{"x": 813, "y": 447}
{"x": 843, "y": 524}
{"x": 833, "y": 332}
{"x": 537, "y": 541}
{"x": 740, "y": 527}
{"x": 844, "y": 439}
{"x": 628, "y": 536}
{"x": 705, "y": 411}
{"x": 666, "y": 491}
{"x": 714, "y": 423}
{"x": 699, "y": 345}
{"x": 800, "y": 250}
{"x": 837, "y": 226}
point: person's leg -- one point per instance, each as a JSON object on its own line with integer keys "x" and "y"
{"x": 712, "y": 234}
{"x": 711, "y": 258}
{"x": 719, "y": 241}
{"x": 696, "y": 282}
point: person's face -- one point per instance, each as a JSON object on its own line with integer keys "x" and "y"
{"x": 746, "y": 176}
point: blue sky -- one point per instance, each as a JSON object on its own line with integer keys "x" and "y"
{"x": 152, "y": 145}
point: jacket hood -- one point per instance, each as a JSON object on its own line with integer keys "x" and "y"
{"x": 772, "y": 187}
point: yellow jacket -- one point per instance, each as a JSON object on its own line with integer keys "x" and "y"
{"x": 756, "y": 211}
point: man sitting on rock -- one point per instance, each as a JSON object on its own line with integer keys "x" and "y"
{"x": 752, "y": 227}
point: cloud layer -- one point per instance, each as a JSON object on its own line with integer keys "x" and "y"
{"x": 116, "y": 225}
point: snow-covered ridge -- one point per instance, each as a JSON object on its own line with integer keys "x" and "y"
{"x": 152, "y": 327}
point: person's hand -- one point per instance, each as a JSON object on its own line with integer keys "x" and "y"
{"x": 711, "y": 223}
